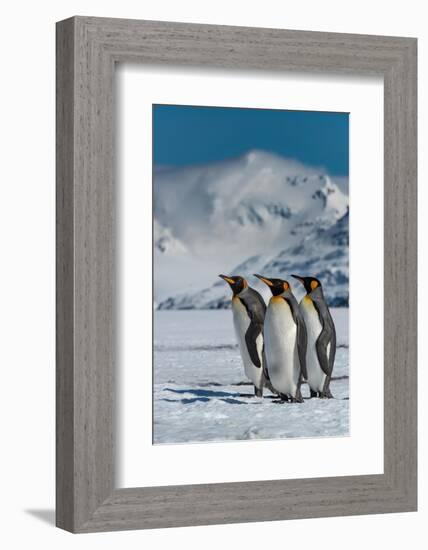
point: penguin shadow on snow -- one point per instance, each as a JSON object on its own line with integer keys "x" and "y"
{"x": 205, "y": 396}
{"x": 203, "y": 393}
{"x": 187, "y": 400}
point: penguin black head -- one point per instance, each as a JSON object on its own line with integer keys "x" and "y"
{"x": 277, "y": 286}
{"x": 236, "y": 283}
{"x": 310, "y": 283}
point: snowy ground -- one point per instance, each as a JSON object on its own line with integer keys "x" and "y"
{"x": 201, "y": 392}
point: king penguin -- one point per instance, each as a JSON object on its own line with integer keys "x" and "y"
{"x": 249, "y": 311}
{"x": 321, "y": 349}
{"x": 285, "y": 341}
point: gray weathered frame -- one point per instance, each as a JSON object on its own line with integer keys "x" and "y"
{"x": 87, "y": 50}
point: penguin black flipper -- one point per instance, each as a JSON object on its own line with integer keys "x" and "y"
{"x": 302, "y": 335}
{"x": 321, "y": 346}
{"x": 302, "y": 344}
{"x": 251, "y": 335}
{"x": 332, "y": 355}
{"x": 327, "y": 336}
{"x": 256, "y": 309}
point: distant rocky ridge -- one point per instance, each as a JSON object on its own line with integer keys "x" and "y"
{"x": 259, "y": 213}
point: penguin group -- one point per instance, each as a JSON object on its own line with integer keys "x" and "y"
{"x": 286, "y": 343}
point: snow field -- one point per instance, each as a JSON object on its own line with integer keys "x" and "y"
{"x": 201, "y": 394}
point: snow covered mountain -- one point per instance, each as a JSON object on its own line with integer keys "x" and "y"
{"x": 257, "y": 213}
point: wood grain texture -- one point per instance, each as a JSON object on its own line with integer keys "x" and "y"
{"x": 87, "y": 49}
{"x": 64, "y": 276}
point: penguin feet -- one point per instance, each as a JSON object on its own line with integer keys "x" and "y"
{"x": 258, "y": 392}
{"x": 284, "y": 398}
{"x": 297, "y": 399}
{"x": 326, "y": 395}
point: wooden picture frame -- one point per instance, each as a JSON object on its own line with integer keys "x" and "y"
{"x": 87, "y": 50}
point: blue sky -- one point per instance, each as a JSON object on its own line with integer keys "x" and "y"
{"x": 185, "y": 135}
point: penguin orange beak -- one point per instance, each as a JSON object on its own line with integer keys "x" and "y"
{"x": 227, "y": 279}
{"x": 264, "y": 279}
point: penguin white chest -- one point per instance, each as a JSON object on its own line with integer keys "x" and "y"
{"x": 241, "y": 323}
{"x": 281, "y": 347}
{"x": 316, "y": 376}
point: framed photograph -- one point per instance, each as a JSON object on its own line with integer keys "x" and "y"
{"x": 252, "y": 211}
{"x": 236, "y": 274}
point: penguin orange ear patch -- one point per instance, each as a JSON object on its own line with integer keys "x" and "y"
{"x": 314, "y": 285}
{"x": 286, "y": 285}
